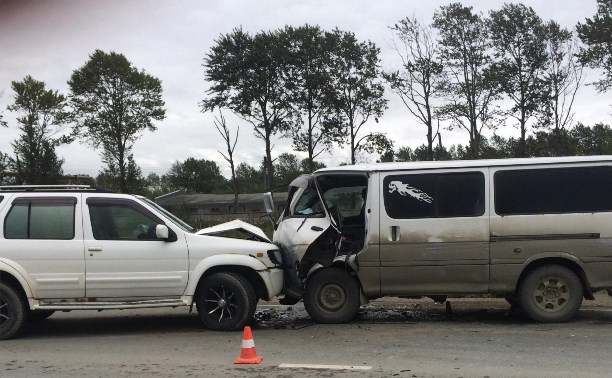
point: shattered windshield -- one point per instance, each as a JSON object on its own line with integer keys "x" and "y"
{"x": 309, "y": 203}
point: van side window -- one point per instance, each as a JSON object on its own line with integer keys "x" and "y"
{"x": 439, "y": 195}
{"x": 552, "y": 191}
{"x": 41, "y": 218}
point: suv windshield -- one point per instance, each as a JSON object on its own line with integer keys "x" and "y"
{"x": 177, "y": 221}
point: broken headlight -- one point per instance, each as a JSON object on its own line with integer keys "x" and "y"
{"x": 275, "y": 256}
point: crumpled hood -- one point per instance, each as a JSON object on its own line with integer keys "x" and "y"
{"x": 237, "y": 225}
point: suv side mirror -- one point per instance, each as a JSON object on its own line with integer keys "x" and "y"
{"x": 162, "y": 232}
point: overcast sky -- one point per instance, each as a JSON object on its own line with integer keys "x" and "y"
{"x": 49, "y": 39}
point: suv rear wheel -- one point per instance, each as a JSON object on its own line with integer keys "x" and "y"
{"x": 225, "y": 301}
{"x": 12, "y": 311}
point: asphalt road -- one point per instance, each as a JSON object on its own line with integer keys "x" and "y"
{"x": 391, "y": 337}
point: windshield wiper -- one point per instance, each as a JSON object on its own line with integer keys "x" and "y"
{"x": 304, "y": 221}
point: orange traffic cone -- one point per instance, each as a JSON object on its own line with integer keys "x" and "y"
{"x": 248, "y": 355}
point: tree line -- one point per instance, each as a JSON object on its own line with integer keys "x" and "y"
{"x": 321, "y": 89}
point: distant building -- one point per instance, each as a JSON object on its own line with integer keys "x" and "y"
{"x": 212, "y": 204}
{"x": 77, "y": 180}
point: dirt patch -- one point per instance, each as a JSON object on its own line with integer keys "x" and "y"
{"x": 393, "y": 309}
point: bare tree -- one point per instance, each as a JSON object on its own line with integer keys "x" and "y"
{"x": 2, "y": 122}
{"x": 247, "y": 76}
{"x": 469, "y": 88}
{"x": 418, "y": 82}
{"x": 564, "y": 76}
{"x": 518, "y": 37}
{"x": 230, "y": 144}
{"x": 359, "y": 92}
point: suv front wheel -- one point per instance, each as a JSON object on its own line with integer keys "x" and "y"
{"x": 225, "y": 301}
{"x": 12, "y": 312}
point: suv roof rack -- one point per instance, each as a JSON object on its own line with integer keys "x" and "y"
{"x": 52, "y": 188}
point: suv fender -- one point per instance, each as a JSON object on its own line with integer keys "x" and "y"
{"x": 226, "y": 260}
{"x": 19, "y": 273}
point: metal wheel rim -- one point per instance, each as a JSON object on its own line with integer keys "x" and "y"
{"x": 4, "y": 313}
{"x": 332, "y": 296}
{"x": 220, "y": 302}
{"x": 552, "y": 294}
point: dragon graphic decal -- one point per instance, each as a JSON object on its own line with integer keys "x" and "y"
{"x": 407, "y": 190}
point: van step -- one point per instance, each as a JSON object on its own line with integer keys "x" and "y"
{"x": 92, "y": 305}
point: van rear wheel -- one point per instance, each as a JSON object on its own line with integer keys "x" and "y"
{"x": 551, "y": 294}
{"x": 332, "y": 296}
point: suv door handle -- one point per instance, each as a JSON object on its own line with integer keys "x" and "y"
{"x": 316, "y": 228}
{"x": 94, "y": 249}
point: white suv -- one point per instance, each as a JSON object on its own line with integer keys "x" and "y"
{"x": 77, "y": 248}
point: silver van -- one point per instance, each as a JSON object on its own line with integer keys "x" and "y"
{"x": 537, "y": 232}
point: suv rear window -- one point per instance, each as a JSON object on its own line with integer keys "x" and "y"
{"x": 39, "y": 218}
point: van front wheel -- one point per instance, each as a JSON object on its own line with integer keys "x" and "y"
{"x": 551, "y": 294}
{"x": 332, "y": 296}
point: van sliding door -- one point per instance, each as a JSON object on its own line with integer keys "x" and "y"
{"x": 434, "y": 232}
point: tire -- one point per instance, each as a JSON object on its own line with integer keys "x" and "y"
{"x": 12, "y": 312}
{"x": 332, "y": 296}
{"x": 550, "y": 294}
{"x": 39, "y": 315}
{"x": 512, "y": 301}
{"x": 225, "y": 301}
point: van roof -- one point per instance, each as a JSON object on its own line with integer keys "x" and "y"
{"x": 424, "y": 165}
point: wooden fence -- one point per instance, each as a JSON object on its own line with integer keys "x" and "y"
{"x": 257, "y": 218}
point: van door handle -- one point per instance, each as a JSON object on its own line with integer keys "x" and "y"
{"x": 316, "y": 228}
{"x": 394, "y": 233}
{"x": 94, "y": 249}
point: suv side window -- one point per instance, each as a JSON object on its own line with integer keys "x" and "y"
{"x": 41, "y": 218}
{"x": 437, "y": 195}
{"x": 121, "y": 220}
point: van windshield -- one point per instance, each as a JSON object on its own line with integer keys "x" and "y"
{"x": 309, "y": 203}
{"x": 345, "y": 192}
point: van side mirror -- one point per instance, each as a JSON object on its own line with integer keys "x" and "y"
{"x": 269, "y": 205}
